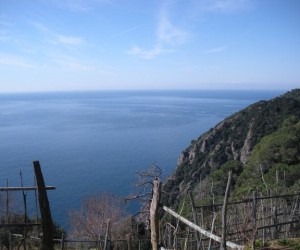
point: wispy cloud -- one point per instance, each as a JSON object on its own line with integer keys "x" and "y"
{"x": 15, "y": 61}
{"x": 223, "y": 5}
{"x": 168, "y": 33}
{"x": 216, "y": 50}
{"x": 41, "y": 27}
{"x": 81, "y": 5}
{"x": 5, "y": 26}
{"x": 147, "y": 54}
{"x": 6, "y": 23}
{"x": 129, "y": 30}
{"x": 69, "y": 40}
{"x": 72, "y": 64}
{"x": 168, "y": 37}
{"x": 4, "y": 36}
{"x": 63, "y": 50}
{"x": 56, "y": 38}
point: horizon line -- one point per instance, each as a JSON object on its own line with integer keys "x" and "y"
{"x": 142, "y": 90}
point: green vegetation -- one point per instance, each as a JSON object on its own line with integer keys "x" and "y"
{"x": 219, "y": 177}
{"x": 291, "y": 243}
{"x": 275, "y": 161}
{"x": 260, "y": 144}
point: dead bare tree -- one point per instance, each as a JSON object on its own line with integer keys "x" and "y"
{"x": 148, "y": 193}
{"x": 90, "y": 222}
{"x": 143, "y": 190}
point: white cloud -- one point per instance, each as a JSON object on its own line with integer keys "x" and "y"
{"x": 147, "y": 54}
{"x": 6, "y": 23}
{"x": 129, "y": 30}
{"x": 57, "y": 38}
{"x": 216, "y": 50}
{"x": 15, "y": 61}
{"x": 4, "y": 36}
{"x": 41, "y": 27}
{"x": 5, "y": 26}
{"x": 62, "y": 50}
{"x": 69, "y": 40}
{"x": 73, "y": 64}
{"x": 223, "y": 5}
{"x": 81, "y": 5}
{"x": 168, "y": 36}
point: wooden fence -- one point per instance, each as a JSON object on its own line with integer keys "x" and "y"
{"x": 251, "y": 221}
{"x": 7, "y": 222}
{"x": 230, "y": 224}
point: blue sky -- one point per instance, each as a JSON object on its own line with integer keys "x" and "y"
{"x": 58, "y": 45}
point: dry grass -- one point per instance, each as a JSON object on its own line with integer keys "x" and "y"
{"x": 287, "y": 244}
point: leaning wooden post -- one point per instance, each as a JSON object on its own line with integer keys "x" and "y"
{"x": 201, "y": 230}
{"x": 224, "y": 212}
{"x": 154, "y": 213}
{"x": 47, "y": 223}
{"x": 197, "y": 234}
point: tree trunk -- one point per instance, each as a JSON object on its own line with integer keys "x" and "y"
{"x": 154, "y": 213}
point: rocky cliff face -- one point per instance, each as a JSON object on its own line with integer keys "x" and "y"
{"x": 231, "y": 139}
{"x": 217, "y": 143}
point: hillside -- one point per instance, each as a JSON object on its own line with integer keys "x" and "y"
{"x": 262, "y": 137}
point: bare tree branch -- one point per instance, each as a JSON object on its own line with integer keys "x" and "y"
{"x": 143, "y": 189}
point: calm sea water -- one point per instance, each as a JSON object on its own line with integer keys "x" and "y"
{"x": 91, "y": 142}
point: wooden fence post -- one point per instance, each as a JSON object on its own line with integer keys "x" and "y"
{"x": 129, "y": 241}
{"x": 154, "y": 223}
{"x": 62, "y": 243}
{"x": 7, "y": 217}
{"x": 212, "y": 230}
{"x": 47, "y": 223}
{"x": 25, "y": 211}
{"x": 195, "y": 219}
{"x": 107, "y": 235}
{"x": 224, "y": 212}
{"x": 186, "y": 242}
{"x": 254, "y": 219}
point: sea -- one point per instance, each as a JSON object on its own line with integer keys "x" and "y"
{"x": 93, "y": 142}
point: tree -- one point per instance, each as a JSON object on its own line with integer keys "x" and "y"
{"x": 8, "y": 214}
{"x": 144, "y": 190}
{"x": 91, "y": 221}
{"x": 148, "y": 192}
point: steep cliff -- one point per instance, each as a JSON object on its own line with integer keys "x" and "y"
{"x": 232, "y": 140}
